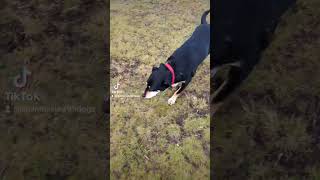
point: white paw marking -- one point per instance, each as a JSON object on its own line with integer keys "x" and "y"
{"x": 172, "y": 100}
{"x": 178, "y": 83}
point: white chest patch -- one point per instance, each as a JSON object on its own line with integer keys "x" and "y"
{"x": 178, "y": 83}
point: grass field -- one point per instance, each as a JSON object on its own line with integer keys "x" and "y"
{"x": 270, "y": 128}
{"x": 63, "y": 45}
{"x": 149, "y": 138}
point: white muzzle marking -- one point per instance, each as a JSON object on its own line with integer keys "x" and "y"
{"x": 151, "y": 94}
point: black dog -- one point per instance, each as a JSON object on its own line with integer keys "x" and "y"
{"x": 182, "y": 64}
{"x": 241, "y": 31}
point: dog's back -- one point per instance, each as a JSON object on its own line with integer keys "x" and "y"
{"x": 242, "y": 27}
{"x": 241, "y": 31}
{"x": 195, "y": 49}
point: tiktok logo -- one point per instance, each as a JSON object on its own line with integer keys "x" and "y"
{"x": 116, "y": 86}
{"x": 116, "y": 90}
{"x": 20, "y": 80}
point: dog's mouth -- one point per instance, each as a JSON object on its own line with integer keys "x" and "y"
{"x": 149, "y": 94}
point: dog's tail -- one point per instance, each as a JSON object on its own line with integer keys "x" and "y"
{"x": 204, "y": 16}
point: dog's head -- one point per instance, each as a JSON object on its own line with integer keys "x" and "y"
{"x": 159, "y": 80}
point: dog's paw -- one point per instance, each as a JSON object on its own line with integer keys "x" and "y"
{"x": 172, "y": 100}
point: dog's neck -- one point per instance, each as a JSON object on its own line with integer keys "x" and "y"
{"x": 170, "y": 68}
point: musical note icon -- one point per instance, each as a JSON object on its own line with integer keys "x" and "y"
{"x": 20, "y": 80}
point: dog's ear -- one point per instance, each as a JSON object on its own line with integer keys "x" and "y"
{"x": 154, "y": 68}
{"x": 170, "y": 60}
{"x": 162, "y": 66}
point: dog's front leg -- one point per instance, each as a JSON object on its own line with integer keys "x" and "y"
{"x": 176, "y": 94}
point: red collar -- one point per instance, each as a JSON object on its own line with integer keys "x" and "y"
{"x": 172, "y": 72}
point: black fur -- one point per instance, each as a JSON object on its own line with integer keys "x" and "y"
{"x": 184, "y": 60}
{"x": 241, "y": 30}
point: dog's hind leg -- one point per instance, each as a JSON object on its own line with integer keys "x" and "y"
{"x": 176, "y": 94}
{"x": 235, "y": 78}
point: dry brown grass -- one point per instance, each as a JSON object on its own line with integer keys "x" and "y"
{"x": 149, "y": 138}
